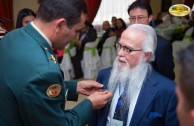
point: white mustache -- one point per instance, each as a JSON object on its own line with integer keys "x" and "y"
{"x": 122, "y": 59}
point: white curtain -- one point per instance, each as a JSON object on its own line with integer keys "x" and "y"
{"x": 109, "y": 8}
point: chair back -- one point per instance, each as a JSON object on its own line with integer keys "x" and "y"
{"x": 66, "y": 65}
{"x": 108, "y": 52}
{"x": 90, "y": 62}
{"x": 183, "y": 44}
{"x": 188, "y": 34}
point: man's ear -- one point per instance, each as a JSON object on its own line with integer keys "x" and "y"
{"x": 148, "y": 55}
{"x": 60, "y": 23}
{"x": 192, "y": 114}
{"x": 150, "y": 18}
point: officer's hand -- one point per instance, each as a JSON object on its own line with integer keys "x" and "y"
{"x": 100, "y": 98}
{"x": 88, "y": 87}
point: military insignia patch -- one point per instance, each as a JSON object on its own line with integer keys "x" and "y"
{"x": 54, "y": 90}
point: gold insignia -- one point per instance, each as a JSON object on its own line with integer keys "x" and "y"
{"x": 53, "y": 58}
{"x": 179, "y": 10}
{"x": 54, "y": 90}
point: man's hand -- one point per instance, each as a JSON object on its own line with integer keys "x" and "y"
{"x": 87, "y": 87}
{"x": 100, "y": 98}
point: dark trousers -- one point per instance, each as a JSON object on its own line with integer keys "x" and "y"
{"x": 76, "y": 61}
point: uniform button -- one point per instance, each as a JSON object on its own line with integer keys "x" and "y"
{"x": 46, "y": 48}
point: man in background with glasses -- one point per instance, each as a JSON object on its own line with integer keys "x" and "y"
{"x": 141, "y": 96}
{"x": 141, "y": 13}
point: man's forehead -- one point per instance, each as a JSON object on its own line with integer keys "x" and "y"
{"x": 131, "y": 32}
{"x": 139, "y": 10}
{"x": 132, "y": 35}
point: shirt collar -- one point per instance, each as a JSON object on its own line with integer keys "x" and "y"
{"x": 42, "y": 34}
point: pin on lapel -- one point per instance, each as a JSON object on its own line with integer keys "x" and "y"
{"x": 54, "y": 59}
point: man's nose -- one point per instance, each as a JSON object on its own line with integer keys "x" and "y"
{"x": 120, "y": 52}
{"x": 136, "y": 21}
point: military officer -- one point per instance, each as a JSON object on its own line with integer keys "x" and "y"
{"x": 32, "y": 91}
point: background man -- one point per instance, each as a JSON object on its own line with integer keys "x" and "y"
{"x": 88, "y": 34}
{"x": 141, "y": 13}
{"x": 185, "y": 88}
{"x": 142, "y": 97}
{"x": 108, "y": 31}
{"x": 31, "y": 83}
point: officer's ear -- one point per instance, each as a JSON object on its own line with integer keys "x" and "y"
{"x": 192, "y": 114}
{"x": 148, "y": 55}
{"x": 60, "y": 24}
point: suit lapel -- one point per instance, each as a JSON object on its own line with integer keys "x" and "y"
{"x": 146, "y": 96}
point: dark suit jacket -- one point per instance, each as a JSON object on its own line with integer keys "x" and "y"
{"x": 26, "y": 73}
{"x": 164, "y": 63}
{"x": 91, "y": 36}
{"x": 156, "y": 103}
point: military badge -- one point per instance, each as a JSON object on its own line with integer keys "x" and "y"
{"x": 54, "y": 90}
{"x": 53, "y": 58}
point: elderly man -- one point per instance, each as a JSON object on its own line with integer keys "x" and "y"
{"x": 142, "y": 97}
{"x": 141, "y": 13}
{"x": 32, "y": 88}
{"x": 185, "y": 88}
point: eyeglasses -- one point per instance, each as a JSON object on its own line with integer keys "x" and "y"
{"x": 126, "y": 50}
{"x": 138, "y": 18}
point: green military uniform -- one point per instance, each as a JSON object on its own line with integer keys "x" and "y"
{"x": 31, "y": 84}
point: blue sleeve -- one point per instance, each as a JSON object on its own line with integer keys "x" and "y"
{"x": 171, "y": 116}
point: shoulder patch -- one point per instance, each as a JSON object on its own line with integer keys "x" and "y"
{"x": 53, "y": 90}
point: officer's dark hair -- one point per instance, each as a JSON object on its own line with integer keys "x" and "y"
{"x": 140, "y": 4}
{"x": 22, "y": 14}
{"x": 186, "y": 79}
{"x": 71, "y": 10}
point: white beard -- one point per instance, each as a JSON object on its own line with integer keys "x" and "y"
{"x": 133, "y": 78}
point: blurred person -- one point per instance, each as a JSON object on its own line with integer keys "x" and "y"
{"x": 141, "y": 96}
{"x": 191, "y": 20}
{"x": 114, "y": 23}
{"x": 32, "y": 87}
{"x": 25, "y": 16}
{"x": 185, "y": 87}
{"x": 157, "y": 20}
{"x": 167, "y": 18}
{"x": 121, "y": 26}
{"x": 87, "y": 34}
{"x": 2, "y": 28}
{"x": 108, "y": 32}
{"x": 141, "y": 13}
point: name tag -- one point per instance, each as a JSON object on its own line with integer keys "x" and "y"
{"x": 114, "y": 122}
